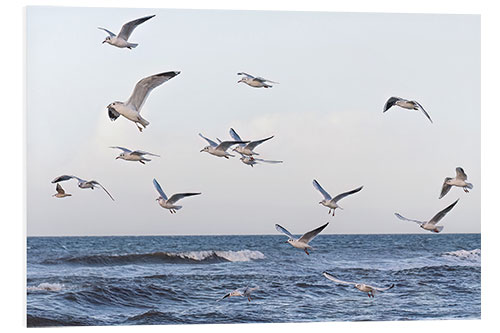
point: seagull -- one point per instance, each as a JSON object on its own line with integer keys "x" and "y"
{"x": 60, "y": 192}
{"x": 170, "y": 203}
{"x": 370, "y": 290}
{"x": 250, "y": 160}
{"x": 136, "y": 155}
{"x": 249, "y": 147}
{"x": 82, "y": 183}
{"x": 459, "y": 181}
{"x": 131, "y": 108}
{"x": 303, "y": 241}
{"x": 121, "y": 40}
{"x": 245, "y": 292}
{"x": 405, "y": 104}
{"x": 256, "y": 82}
{"x": 431, "y": 224}
{"x": 328, "y": 201}
{"x": 219, "y": 149}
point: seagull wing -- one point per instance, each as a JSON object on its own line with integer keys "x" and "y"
{"x": 125, "y": 150}
{"x": 109, "y": 32}
{"x": 461, "y": 173}
{"x": 330, "y": 277}
{"x": 390, "y": 103}
{"x": 446, "y": 188}
{"x": 142, "y": 152}
{"x": 176, "y": 197}
{"x": 263, "y": 80}
{"x": 309, "y": 236}
{"x": 59, "y": 189}
{"x": 442, "y": 213}
{"x": 210, "y": 142}
{"x": 382, "y": 289}
{"x": 144, "y": 87}
{"x": 224, "y": 145}
{"x": 64, "y": 178}
{"x": 345, "y": 194}
{"x": 97, "y": 183}
{"x": 401, "y": 217}
{"x": 252, "y": 144}
{"x": 267, "y": 161}
{"x": 234, "y": 135}
{"x": 284, "y": 231}
{"x": 159, "y": 189}
{"x": 129, "y": 27}
{"x": 323, "y": 192}
{"x": 247, "y": 75}
{"x": 423, "y": 110}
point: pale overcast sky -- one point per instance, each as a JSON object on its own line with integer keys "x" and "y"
{"x": 336, "y": 70}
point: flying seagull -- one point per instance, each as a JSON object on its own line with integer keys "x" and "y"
{"x": 220, "y": 149}
{"x": 82, "y": 183}
{"x": 405, "y": 104}
{"x": 136, "y": 155}
{"x": 256, "y": 82}
{"x": 328, "y": 201}
{"x": 459, "y": 181}
{"x": 370, "y": 290}
{"x": 121, "y": 40}
{"x": 250, "y": 160}
{"x": 431, "y": 224}
{"x": 303, "y": 241}
{"x": 167, "y": 203}
{"x": 60, "y": 192}
{"x": 246, "y": 149}
{"x": 132, "y": 107}
{"x": 245, "y": 292}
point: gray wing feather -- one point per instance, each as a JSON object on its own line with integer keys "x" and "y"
{"x": 267, "y": 161}
{"x": 390, "y": 103}
{"x": 129, "y": 27}
{"x": 142, "y": 152}
{"x": 461, "y": 173}
{"x": 144, "y": 87}
{"x": 234, "y": 135}
{"x": 176, "y": 197}
{"x": 401, "y": 217}
{"x": 309, "y": 236}
{"x": 382, "y": 289}
{"x": 442, "y": 213}
{"x": 330, "y": 277}
{"x": 423, "y": 110}
{"x": 224, "y": 145}
{"x": 64, "y": 178}
{"x": 125, "y": 150}
{"x": 345, "y": 194}
{"x": 246, "y": 74}
{"x": 323, "y": 192}
{"x": 109, "y": 32}
{"x": 446, "y": 188}
{"x": 159, "y": 189}
{"x": 263, "y": 80}
{"x": 59, "y": 189}
{"x": 284, "y": 231}
{"x": 210, "y": 142}
{"x": 98, "y": 184}
{"x": 252, "y": 144}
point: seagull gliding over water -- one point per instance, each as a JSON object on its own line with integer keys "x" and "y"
{"x": 332, "y": 202}
{"x": 169, "y": 203}
{"x": 245, "y": 292}
{"x": 370, "y": 290}
{"x": 121, "y": 40}
{"x": 303, "y": 241}
{"x": 431, "y": 224}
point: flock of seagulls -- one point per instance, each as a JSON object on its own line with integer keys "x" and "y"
{"x": 131, "y": 109}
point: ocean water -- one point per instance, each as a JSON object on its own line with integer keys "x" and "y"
{"x": 179, "y": 279}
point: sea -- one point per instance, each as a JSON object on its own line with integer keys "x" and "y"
{"x": 161, "y": 280}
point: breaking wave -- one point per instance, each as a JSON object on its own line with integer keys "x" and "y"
{"x": 473, "y": 255}
{"x": 46, "y": 287}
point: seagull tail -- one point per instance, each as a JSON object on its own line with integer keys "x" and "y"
{"x": 132, "y": 45}
{"x": 143, "y": 122}
{"x": 469, "y": 186}
{"x": 438, "y": 229}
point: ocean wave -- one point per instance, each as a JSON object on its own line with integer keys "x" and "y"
{"x": 192, "y": 257}
{"x": 46, "y": 287}
{"x": 473, "y": 255}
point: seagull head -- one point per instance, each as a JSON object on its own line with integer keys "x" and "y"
{"x": 122, "y": 155}
{"x": 107, "y": 40}
{"x": 205, "y": 149}
{"x": 323, "y": 202}
{"x": 244, "y": 79}
{"x": 158, "y": 199}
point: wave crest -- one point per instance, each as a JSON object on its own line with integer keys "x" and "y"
{"x": 46, "y": 287}
{"x": 474, "y": 255}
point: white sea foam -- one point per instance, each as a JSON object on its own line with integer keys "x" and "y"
{"x": 46, "y": 287}
{"x": 474, "y": 255}
{"x": 233, "y": 256}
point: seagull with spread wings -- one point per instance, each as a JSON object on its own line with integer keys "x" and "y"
{"x": 459, "y": 181}
{"x": 246, "y": 149}
{"x": 136, "y": 155}
{"x": 245, "y": 292}
{"x": 303, "y": 242}
{"x": 431, "y": 224}
{"x": 82, "y": 183}
{"x": 330, "y": 202}
{"x": 370, "y": 290}
{"x": 250, "y": 160}
{"x": 405, "y": 104}
{"x": 256, "y": 82}
{"x": 169, "y": 203}
{"x": 121, "y": 40}
{"x": 132, "y": 107}
{"x": 60, "y": 192}
{"x": 220, "y": 149}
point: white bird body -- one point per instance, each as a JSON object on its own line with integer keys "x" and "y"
{"x": 370, "y": 290}
{"x": 121, "y": 41}
{"x": 169, "y": 203}
{"x": 328, "y": 201}
{"x": 458, "y": 181}
{"x": 132, "y": 107}
{"x": 302, "y": 242}
{"x": 255, "y": 82}
{"x": 431, "y": 224}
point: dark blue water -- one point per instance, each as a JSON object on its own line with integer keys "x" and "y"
{"x": 172, "y": 280}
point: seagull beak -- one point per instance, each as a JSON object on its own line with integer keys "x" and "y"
{"x": 117, "y": 157}
{"x": 201, "y": 151}
{"x": 240, "y": 81}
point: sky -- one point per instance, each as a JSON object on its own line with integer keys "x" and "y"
{"x": 336, "y": 70}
